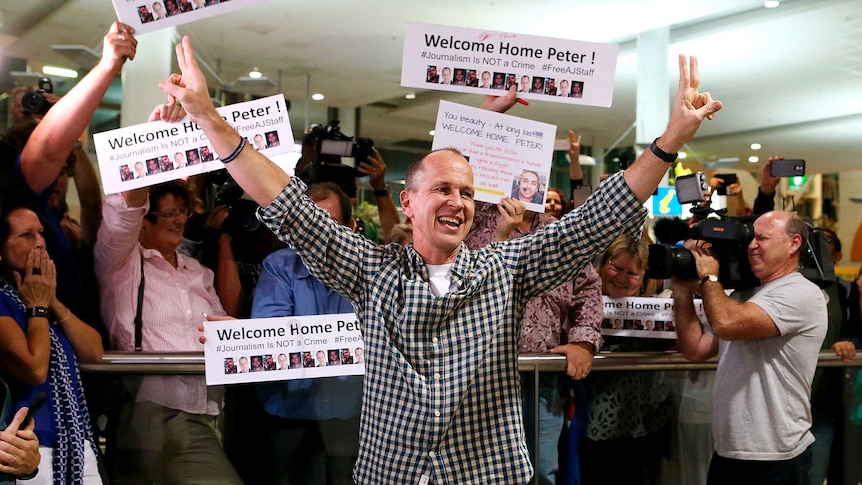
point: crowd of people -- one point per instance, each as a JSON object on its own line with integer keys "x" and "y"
{"x": 461, "y": 288}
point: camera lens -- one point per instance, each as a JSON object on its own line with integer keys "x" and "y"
{"x": 34, "y": 102}
{"x": 667, "y": 261}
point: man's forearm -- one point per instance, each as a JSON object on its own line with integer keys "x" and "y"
{"x": 689, "y": 331}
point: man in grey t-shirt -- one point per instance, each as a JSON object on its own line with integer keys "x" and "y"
{"x": 768, "y": 341}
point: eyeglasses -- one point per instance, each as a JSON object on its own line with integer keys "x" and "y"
{"x": 619, "y": 269}
{"x": 173, "y": 215}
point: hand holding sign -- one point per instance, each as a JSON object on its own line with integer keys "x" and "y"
{"x": 118, "y": 45}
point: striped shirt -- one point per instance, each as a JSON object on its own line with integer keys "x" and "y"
{"x": 442, "y": 393}
{"x": 175, "y": 300}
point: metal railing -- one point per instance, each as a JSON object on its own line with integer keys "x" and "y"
{"x": 193, "y": 362}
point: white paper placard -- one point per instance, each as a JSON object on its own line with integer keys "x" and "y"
{"x": 152, "y": 153}
{"x": 487, "y": 62}
{"x": 283, "y": 348}
{"x": 500, "y": 148}
{"x": 149, "y": 15}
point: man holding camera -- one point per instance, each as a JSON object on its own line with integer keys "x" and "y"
{"x": 768, "y": 342}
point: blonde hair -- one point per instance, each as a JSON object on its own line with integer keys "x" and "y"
{"x": 639, "y": 250}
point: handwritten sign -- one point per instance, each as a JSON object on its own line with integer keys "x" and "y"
{"x": 510, "y": 156}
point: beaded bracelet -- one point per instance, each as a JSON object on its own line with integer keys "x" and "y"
{"x": 226, "y": 160}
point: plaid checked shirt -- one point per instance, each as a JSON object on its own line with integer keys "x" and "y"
{"x": 442, "y": 393}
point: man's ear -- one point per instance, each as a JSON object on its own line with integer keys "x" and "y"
{"x": 796, "y": 245}
{"x": 352, "y": 224}
{"x": 405, "y": 203}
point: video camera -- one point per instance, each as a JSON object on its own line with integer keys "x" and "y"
{"x": 223, "y": 190}
{"x": 332, "y": 143}
{"x": 730, "y": 237}
{"x": 34, "y": 102}
{"x": 322, "y": 150}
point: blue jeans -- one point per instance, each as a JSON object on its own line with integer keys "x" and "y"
{"x": 820, "y": 450}
{"x": 550, "y": 425}
{"x": 795, "y": 471}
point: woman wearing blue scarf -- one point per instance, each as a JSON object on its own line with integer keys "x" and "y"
{"x": 41, "y": 341}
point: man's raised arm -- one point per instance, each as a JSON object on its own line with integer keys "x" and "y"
{"x": 690, "y": 108}
{"x": 255, "y": 173}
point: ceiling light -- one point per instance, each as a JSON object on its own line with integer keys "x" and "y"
{"x": 756, "y": 146}
{"x": 431, "y": 132}
{"x": 317, "y": 97}
{"x": 59, "y": 71}
{"x": 771, "y": 3}
{"x": 410, "y": 96}
{"x": 255, "y": 73}
{"x": 753, "y": 159}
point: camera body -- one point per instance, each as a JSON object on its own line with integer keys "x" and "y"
{"x": 787, "y": 168}
{"x": 692, "y": 188}
{"x": 242, "y": 218}
{"x": 730, "y": 237}
{"x": 729, "y": 179}
{"x": 34, "y": 102}
{"x": 323, "y": 147}
{"x": 331, "y": 143}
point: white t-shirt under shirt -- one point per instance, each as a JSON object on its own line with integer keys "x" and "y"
{"x": 440, "y": 279}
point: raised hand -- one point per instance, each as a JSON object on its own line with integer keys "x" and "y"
{"x": 690, "y": 107}
{"x": 118, "y": 45}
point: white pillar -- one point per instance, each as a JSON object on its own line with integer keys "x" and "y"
{"x": 153, "y": 62}
{"x": 653, "y": 89}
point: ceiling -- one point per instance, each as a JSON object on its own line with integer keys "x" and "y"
{"x": 789, "y": 77}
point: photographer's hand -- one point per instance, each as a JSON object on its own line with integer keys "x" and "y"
{"x": 705, "y": 262}
{"x": 768, "y": 183}
{"x": 375, "y": 168}
{"x": 217, "y": 216}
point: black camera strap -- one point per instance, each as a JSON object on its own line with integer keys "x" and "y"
{"x": 139, "y": 323}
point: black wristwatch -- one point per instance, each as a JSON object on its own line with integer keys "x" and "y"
{"x": 384, "y": 192}
{"x": 37, "y": 311}
{"x": 661, "y": 154}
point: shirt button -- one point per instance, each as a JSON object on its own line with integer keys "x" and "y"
{"x": 436, "y": 413}
{"x": 437, "y": 375}
{"x": 434, "y": 340}
{"x": 432, "y": 454}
